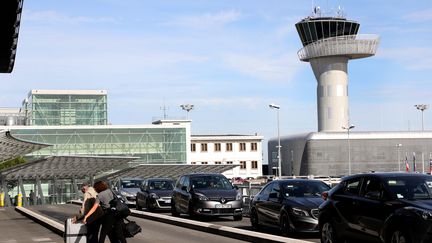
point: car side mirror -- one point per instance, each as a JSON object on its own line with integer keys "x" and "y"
{"x": 186, "y": 188}
{"x": 373, "y": 195}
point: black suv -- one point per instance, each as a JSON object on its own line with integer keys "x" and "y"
{"x": 378, "y": 207}
{"x": 206, "y": 194}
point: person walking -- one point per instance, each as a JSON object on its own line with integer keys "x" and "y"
{"x": 32, "y": 197}
{"x": 90, "y": 213}
{"x": 111, "y": 226}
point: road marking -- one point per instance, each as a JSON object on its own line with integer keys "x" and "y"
{"x": 42, "y": 239}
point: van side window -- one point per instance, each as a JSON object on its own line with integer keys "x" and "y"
{"x": 180, "y": 182}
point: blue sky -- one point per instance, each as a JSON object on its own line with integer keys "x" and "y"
{"x": 230, "y": 58}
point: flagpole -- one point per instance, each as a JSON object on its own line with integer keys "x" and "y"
{"x": 423, "y": 163}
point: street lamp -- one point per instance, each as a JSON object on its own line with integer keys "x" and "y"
{"x": 277, "y": 107}
{"x": 349, "y": 147}
{"x": 187, "y": 108}
{"x": 398, "y": 148}
{"x": 422, "y": 107}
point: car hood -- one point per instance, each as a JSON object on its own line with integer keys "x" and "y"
{"x": 162, "y": 193}
{"x": 308, "y": 202}
{"x": 132, "y": 191}
{"x": 217, "y": 193}
{"x": 424, "y": 204}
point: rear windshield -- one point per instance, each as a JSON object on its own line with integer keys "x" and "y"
{"x": 213, "y": 182}
{"x": 161, "y": 185}
{"x": 411, "y": 188}
{"x": 304, "y": 188}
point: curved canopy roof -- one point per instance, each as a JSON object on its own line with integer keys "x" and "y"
{"x": 11, "y": 147}
{"x": 10, "y": 18}
{"x": 167, "y": 171}
{"x": 66, "y": 167}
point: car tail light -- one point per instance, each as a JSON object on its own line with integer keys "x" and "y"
{"x": 324, "y": 195}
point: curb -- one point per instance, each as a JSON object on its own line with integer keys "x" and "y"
{"x": 240, "y": 234}
{"x": 49, "y": 223}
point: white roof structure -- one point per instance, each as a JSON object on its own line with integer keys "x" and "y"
{"x": 11, "y": 147}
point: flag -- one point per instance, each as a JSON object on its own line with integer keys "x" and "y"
{"x": 407, "y": 168}
{"x": 414, "y": 162}
{"x": 430, "y": 165}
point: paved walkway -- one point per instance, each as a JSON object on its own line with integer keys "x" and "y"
{"x": 15, "y": 228}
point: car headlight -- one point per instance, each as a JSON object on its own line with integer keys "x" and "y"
{"x": 239, "y": 196}
{"x": 300, "y": 212}
{"x": 153, "y": 195}
{"x": 201, "y": 197}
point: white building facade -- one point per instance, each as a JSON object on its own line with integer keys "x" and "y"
{"x": 242, "y": 150}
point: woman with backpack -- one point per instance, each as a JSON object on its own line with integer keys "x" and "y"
{"x": 111, "y": 225}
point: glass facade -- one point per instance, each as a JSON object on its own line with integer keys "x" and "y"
{"x": 153, "y": 145}
{"x": 66, "y": 109}
{"x": 313, "y": 29}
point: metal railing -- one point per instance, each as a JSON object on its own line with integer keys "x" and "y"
{"x": 353, "y": 46}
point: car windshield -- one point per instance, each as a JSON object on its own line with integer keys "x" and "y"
{"x": 131, "y": 183}
{"x": 304, "y": 188}
{"x": 161, "y": 185}
{"x": 213, "y": 182}
{"x": 410, "y": 188}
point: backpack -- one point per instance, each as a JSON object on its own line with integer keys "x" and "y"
{"x": 119, "y": 207}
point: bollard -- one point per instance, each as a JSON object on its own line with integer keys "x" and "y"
{"x": 19, "y": 200}
{"x": 2, "y": 196}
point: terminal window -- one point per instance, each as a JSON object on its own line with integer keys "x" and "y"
{"x": 242, "y": 146}
{"x": 193, "y": 147}
{"x": 217, "y": 147}
{"x": 203, "y": 147}
{"x": 242, "y": 165}
{"x": 254, "y": 146}
{"x": 254, "y": 164}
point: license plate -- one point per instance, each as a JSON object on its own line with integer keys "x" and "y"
{"x": 223, "y": 205}
{"x": 168, "y": 201}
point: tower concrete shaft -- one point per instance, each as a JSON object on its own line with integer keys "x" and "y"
{"x": 328, "y": 45}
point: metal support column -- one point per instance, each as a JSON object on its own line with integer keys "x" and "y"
{"x": 74, "y": 188}
{"x": 23, "y": 193}
{"x": 7, "y": 200}
{"x": 39, "y": 194}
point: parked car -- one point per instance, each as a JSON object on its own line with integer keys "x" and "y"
{"x": 128, "y": 188}
{"x": 378, "y": 207}
{"x": 155, "y": 194}
{"x": 290, "y": 205}
{"x": 206, "y": 194}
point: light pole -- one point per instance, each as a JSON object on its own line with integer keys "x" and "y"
{"x": 422, "y": 107}
{"x": 187, "y": 108}
{"x": 277, "y": 107}
{"x": 398, "y": 148}
{"x": 348, "y": 128}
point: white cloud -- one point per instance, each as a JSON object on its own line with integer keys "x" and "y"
{"x": 279, "y": 70}
{"x": 419, "y": 16}
{"x": 207, "y": 20}
{"x": 57, "y": 17}
{"x": 413, "y": 58}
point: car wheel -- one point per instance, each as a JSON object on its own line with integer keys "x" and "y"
{"x": 238, "y": 217}
{"x": 285, "y": 226}
{"x": 174, "y": 211}
{"x": 328, "y": 233}
{"x": 191, "y": 212}
{"x": 137, "y": 206}
{"x": 399, "y": 236}
{"x": 254, "y": 219}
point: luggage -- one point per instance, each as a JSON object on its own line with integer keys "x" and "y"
{"x": 75, "y": 233}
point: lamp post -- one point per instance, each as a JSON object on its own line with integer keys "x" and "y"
{"x": 348, "y": 128}
{"x": 187, "y": 108}
{"x": 398, "y": 148}
{"x": 422, "y": 108}
{"x": 277, "y": 107}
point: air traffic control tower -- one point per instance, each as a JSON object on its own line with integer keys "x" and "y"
{"x": 328, "y": 44}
